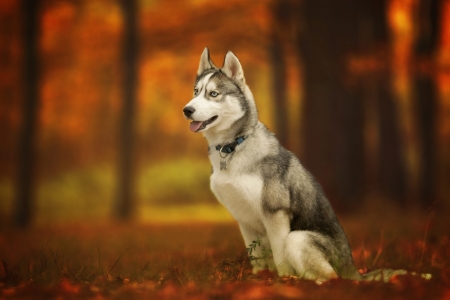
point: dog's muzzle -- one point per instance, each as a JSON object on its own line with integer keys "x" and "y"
{"x": 188, "y": 111}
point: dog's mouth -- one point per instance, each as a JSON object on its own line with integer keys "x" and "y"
{"x": 196, "y": 126}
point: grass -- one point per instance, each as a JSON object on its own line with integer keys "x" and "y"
{"x": 184, "y": 213}
{"x": 208, "y": 260}
{"x": 90, "y": 193}
{"x": 181, "y": 181}
{"x": 85, "y": 254}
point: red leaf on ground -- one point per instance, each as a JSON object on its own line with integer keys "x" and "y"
{"x": 267, "y": 274}
{"x": 68, "y": 287}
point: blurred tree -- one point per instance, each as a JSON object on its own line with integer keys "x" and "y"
{"x": 281, "y": 15}
{"x": 10, "y": 18}
{"x": 130, "y": 72}
{"x": 443, "y": 108}
{"x": 27, "y": 153}
{"x": 332, "y": 111}
{"x": 428, "y": 21}
{"x": 390, "y": 171}
{"x": 385, "y": 169}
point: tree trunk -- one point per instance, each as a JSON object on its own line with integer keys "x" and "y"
{"x": 390, "y": 173}
{"x": 124, "y": 203}
{"x": 332, "y": 110}
{"x": 391, "y": 176}
{"x": 279, "y": 88}
{"x": 27, "y": 152}
{"x": 425, "y": 91}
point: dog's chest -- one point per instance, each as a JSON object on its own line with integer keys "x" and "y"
{"x": 240, "y": 194}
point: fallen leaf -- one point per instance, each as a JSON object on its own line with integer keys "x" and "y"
{"x": 69, "y": 287}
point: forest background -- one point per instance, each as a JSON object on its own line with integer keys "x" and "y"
{"x": 91, "y": 98}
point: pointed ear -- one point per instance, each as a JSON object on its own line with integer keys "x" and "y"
{"x": 205, "y": 62}
{"x": 232, "y": 67}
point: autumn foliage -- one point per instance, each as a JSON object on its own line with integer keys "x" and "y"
{"x": 391, "y": 134}
{"x": 208, "y": 260}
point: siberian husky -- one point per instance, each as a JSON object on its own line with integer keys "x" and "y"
{"x": 275, "y": 200}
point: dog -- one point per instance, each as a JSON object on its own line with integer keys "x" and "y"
{"x": 283, "y": 215}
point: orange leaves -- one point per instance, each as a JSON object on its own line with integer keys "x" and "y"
{"x": 57, "y": 21}
{"x": 189, "y": 262}
{"x": 80, "y": 83}
{"x": 407, "y": 286}
{"x": 67, "y": 287}
{"x": 63, "y": 289}
{"x": 400, "y": 17}
{"x": 444, "y": 53}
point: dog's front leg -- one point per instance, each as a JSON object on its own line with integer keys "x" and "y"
{"x": 278, "y": 227}
{"x": 258, "y": 248}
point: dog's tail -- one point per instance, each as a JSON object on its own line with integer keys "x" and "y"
{"x": 386, "y": 274}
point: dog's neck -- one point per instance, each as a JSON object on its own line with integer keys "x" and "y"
{"x": 242, "y": 127}
{"x": 225, "y": 137}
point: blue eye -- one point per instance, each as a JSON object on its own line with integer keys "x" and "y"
{"x": 214, "y": 94}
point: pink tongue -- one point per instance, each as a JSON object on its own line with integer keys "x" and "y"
{"x": 195, "y": 125}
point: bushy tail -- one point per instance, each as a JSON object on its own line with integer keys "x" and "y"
{"x": 386, "y": 274}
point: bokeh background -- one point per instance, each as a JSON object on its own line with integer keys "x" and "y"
{"x": 91, "y": 98}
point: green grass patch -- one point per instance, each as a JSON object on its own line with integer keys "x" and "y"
{"x": 185, "y": 213}
{"x": 81, "y": 194}
{"x": 166, "y": 191}
{"x": 183, "y": 181}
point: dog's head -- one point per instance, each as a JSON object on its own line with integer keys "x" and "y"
{"x": 219, "y": 95}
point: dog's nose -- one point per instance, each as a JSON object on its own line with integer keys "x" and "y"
{"x": 188, "y": 111}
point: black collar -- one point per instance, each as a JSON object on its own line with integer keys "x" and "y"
{"x": 228, "y": 148}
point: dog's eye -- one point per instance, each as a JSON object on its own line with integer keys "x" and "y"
{"x": 214, "y": 94}
{"x": 195, "y": 92}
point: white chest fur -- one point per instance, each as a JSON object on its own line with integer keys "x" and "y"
{"x": 241, "y": 195}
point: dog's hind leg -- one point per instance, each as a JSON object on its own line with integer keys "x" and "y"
{"x": 307, "y": 259}
{"x": 277, "y": 228}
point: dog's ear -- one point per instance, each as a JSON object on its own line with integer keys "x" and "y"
{"x": 232, "y": 67}
{"x": 205, "y": 62}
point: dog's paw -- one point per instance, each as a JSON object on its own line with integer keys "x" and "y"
{"x": 285, "y": 270}
{"x": 258, "y": 268}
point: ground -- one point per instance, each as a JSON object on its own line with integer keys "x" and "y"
{"x": 207, "y": 260}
